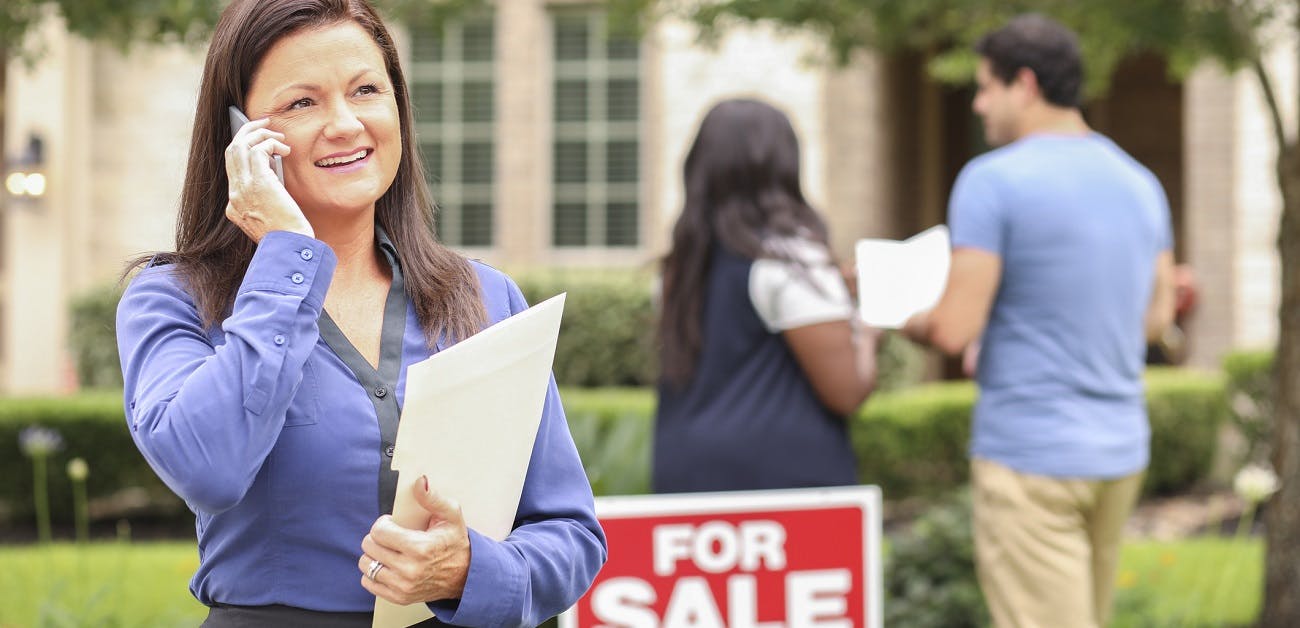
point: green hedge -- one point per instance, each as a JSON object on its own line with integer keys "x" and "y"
{"x": 92, "y": 337}
{"x": 606, "y": 338}
{"x": 93, "y": 427}
{"x": 1250, "y": 398}
{"x": 914, "y": 443}
{"x": 608, "y": 328}
{"x": 610, "y": 426}
{"x": 910, "y": 442}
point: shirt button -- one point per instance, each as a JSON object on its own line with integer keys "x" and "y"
{"x": 279, "y": 339}
{"x": 388, "y": 451}
{"x": 306, "y": 254}
{"x": 380, "y": 392}
{"x": 296, "y": 278}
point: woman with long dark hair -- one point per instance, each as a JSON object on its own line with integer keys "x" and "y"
{"x": 761, "y": 359}
{"x": 265, "y": 358}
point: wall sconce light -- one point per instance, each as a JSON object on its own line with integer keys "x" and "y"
{"x": 25, "y": 176}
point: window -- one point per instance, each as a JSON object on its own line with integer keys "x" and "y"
{"x": 453, "y": 92}
{"x": 596, "y": 154}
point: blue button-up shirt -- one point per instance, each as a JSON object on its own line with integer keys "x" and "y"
{"x": 279, "y": 437}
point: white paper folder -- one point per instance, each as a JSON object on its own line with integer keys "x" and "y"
{"x": 897, "y": 279}
{"x": 470, "y": 418}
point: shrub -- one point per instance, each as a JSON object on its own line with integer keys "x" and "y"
{"x": 93, "y": 427}
{"x": 915, "y": 442}
{"x": 608, "y": 334}
{"x": 1250, "y": 400}
{"x": 613, "y": 431}
{"x": 930, "y": 571}
{"x": 1187, "y": 408}
{"x": 93, "y": 337}
{"x": 911, "y": 442}
{"x": 608, "y": 328}
{"x": 606, "y": 339}
{"x": 900, "y": 363}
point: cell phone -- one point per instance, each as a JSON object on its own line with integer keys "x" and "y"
{"x": 238, "y": 120}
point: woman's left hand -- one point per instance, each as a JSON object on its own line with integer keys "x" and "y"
{"x": 418, "y": 565}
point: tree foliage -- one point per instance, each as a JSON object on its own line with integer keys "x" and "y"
{"x": 1184, "y": 31}
{"x": 128, "y": 22}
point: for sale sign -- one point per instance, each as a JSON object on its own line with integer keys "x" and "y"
{"x": 758, "y": 559}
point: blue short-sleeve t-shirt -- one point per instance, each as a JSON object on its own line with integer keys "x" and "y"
{"x": 1078, "y": 225}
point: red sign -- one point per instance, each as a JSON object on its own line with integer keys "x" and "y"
{"x": 757, "y": 559}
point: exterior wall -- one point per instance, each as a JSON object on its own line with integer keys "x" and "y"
{"x": 1257, "y": 202}
{"x": 1210, "y": 106}
{"x": 143, "y": 107}
{"x": 45, "y": 257}
{"x": 859, "y": 180}
{"x": 748, "y": 62}
{"x": 116, "y": 132}
{"x": 116, "y": 129}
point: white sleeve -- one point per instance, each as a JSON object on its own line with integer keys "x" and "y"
{"x": 787, "y": 297}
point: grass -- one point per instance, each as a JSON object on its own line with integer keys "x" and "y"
{"x": 1193, "y": 583}
{"x": 1208, "y": 581}
{"x": 108, "y": 585}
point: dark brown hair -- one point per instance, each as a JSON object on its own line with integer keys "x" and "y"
{"x": 742, "y": 191}
{"x": 212, "y": 254}
{"x": 1048, "y": 49}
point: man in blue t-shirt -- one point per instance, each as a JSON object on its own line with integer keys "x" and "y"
{"x": 1061, "y": 271}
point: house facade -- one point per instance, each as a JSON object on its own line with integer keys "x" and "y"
{"x": 550, "y": 141}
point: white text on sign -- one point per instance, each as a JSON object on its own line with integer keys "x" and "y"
{"x": 813, "y": 598}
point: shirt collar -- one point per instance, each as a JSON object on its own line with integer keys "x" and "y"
{"x": 386, "y": 244}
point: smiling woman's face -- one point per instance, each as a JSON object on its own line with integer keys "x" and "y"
{"x": 327, "y": 90}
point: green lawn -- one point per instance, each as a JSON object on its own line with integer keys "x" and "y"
{"x": 1195, "y": 583}
{"x": 108, "y": 585}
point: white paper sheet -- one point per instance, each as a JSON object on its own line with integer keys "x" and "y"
{"x": 897, "y": 279}
{"x": 470, "y": 418}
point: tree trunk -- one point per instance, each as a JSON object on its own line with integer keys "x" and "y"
{"x": 1282, "y": 519}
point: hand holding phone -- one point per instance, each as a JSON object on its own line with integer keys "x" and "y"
{"x": 237, "y": 121}
{"x": 255, "y": 205}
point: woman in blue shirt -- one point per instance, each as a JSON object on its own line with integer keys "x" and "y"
{"x": 761, "y": 356}
{"x": 265, "y": 358}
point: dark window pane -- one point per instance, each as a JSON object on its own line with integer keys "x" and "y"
{"x": 476, "y": 224}
{"x": 570, "y": 162}
{"x": 622, "y": 48}
{"x": 425, "y": 47}
{"x": 477, "y": 41}
{"x": 570, "y": 227}
{"x": 572, "y": 36}
{"x": 476, "y": 162}
{"x": 432, "y": 153}
{"x": 621, "y": 160}
{"x": 427, "y": 99}
{"x": 476, "y": 102}
{"x": 620, "y": 224}
{"x": 622, "y": 100}
{"x": 571, "y": 101}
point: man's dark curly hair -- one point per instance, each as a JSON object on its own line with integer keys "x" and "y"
{"x": 1048, "y": 49}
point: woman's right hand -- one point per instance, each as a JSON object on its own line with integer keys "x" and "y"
{"x": 259, "y": 203}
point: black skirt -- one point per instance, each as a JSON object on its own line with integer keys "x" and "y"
{"x": 288, "y": 617}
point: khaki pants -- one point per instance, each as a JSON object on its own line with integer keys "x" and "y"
{"x": 1046, "y": 549}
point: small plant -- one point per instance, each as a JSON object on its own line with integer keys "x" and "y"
{"x": 930, "y": 581}
{"x": 38, "y": 443}
{"x": 1254, "y": 484}
{"x": 77, "y": 472}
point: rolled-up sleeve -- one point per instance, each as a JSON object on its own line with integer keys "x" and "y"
{"x": 206, "y": 414}
{"x": 557, "y": 546}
